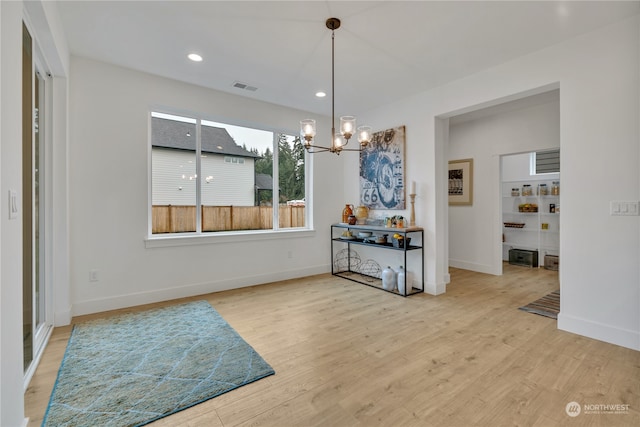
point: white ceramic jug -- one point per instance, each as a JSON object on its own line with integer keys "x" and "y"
{"x": 402, "y": 281}
{"x": 388, "y": 279}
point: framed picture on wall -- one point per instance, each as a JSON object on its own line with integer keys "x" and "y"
{"x": 461, "y": 182}
{"x": 382, "y": 170}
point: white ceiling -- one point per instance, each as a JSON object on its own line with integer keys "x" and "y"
{"x": 385, "y": 50}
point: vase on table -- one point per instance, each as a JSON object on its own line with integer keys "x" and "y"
{"x": 362, "y": 213}
{"x": 346, "y": 213}
{"x": 402, "y": 281}
{"x": 389, "y": 279}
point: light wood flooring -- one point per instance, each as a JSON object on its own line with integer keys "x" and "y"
{"x": 349, "y": 355}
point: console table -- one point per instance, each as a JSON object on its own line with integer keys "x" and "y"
{"x": 344, "y": 264}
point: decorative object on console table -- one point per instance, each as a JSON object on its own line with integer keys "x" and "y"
{"x": 346, "y": 212}
{"x": 461, "y": 182}
{"x": 362, "y": 213}
{"x": 412, "y": 194}
{"x": 382, "y": 170}
{"x": 401, "y": 279}
{"x": 389, "y": 280}
{"x": 346, "y": 259}
{"x": 399, "y": 241}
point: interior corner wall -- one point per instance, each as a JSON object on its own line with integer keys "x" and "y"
{"x": 598, "y": 76}
{"x": 108, "y": 187}
{"x": 472, "y": 229}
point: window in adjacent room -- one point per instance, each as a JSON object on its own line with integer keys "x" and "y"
{"x": 250, "y": 179}
{"x": 543, "y": 162}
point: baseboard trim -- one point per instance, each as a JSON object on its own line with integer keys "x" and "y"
{"x": 480, "y": 268}
{"x": 122, "y": 301}
{"x": 62, "y": 318}
{"x": 435, "y": 288}
{"x": 599, "y": 331}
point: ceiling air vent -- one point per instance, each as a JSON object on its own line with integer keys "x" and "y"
{"x": 244, "y": 86}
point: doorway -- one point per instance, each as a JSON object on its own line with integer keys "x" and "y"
{"x": 530, "y": 123}
{"x": 530, "y": 208}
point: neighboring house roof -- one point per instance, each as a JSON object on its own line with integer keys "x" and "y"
{"x": 181, "y": 136}
{"x": 264, "y": 181}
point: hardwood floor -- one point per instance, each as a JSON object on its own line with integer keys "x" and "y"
{"x": 349, "y": 355}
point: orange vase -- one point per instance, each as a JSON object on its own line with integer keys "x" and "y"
{"x": 346, "y": 213}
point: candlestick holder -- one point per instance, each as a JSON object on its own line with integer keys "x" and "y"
{"x": 412, "y": 218}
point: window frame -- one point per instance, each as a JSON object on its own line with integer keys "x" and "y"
{"x": 200, "y": 237}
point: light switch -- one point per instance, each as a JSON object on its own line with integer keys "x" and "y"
{"x": 623, "y": 208}
{"x": 13, "y": 204}
{"x": 615, "y": 208}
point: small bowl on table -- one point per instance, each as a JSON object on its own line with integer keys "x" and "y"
{"x": 364, "y": 234}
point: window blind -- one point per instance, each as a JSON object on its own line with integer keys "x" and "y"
{"x": 548, "y": 161}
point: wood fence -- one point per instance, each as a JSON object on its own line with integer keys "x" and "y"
{"x": 181, "y": 219}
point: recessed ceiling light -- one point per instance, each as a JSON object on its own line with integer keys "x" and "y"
{"x": 194, "y": 57}
{"x": 321, "y": 94}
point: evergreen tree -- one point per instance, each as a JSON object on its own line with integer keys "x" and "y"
{"x": 290, "y": 168}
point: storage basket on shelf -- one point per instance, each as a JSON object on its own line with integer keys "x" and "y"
{"x": 514, "y": 224}
{"x": 525, "y": 257}
{"x": 528, "y": 207}
{"x": 402, "y": 242}
{"x": 551, "y": 262}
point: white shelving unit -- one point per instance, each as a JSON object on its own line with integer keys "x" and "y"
{"x": 534, "y": 234}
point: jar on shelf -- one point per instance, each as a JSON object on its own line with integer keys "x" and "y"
{"x": 515, "y": 192}
{"x": 555, "y": 188}
{"x": 543, "y": 190}
{"x": 526, "y": 190}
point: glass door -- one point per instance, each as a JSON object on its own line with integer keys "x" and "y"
{"x": 36, "y": 324}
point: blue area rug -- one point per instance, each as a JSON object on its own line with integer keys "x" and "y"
{"x": 132, "y": 369}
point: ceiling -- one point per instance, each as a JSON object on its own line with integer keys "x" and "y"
{"x": 384, "y": 50}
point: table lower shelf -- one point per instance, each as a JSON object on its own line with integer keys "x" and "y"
{"x": 372, "y": 281}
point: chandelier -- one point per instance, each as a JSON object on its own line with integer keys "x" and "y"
{"x": 347, "y": 123}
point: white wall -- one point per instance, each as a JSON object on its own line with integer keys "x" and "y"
{"x": 516, "y": 167}
{"x": 45, "y": 29}
{"x": 109, "y": 196}
{"x": 11, "y": 230}
{"x": 598, "y": 77}
{"x": 473, "y": 242}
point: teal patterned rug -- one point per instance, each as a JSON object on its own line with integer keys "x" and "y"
{"x": 135, "y": 368}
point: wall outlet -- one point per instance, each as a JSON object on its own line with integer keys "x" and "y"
{"x": 93, "y": 275}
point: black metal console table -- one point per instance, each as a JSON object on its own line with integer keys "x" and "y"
{"x": 353, "y": 269}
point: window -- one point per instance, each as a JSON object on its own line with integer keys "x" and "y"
{"x": 543, "y": 162}
{"x": 249, "y": 176}
{"x": 236, "y": 160}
